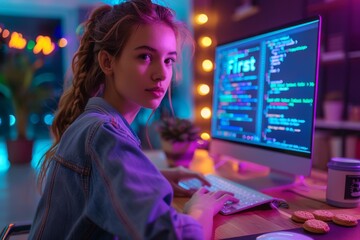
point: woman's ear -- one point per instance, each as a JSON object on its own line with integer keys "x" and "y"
{"x": 105, "y": 62}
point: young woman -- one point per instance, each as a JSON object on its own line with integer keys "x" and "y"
{"x": 98, "y": 184}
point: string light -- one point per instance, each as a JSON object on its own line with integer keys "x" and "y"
{"x": 201, "y": 19}
{"x": 205, "y": 41}
{"x": 30, "y": 45}
{"x": 207, "y": 65}
{"x": 17, "y": 41}
{"x": 205, "y": 136}
{"x": 43, "y": 44}
{"x": 62, "y": 42}
{"x": 205, "y": 112}
{"x": 5, "y": 33}
{"x": 203, "y": 89}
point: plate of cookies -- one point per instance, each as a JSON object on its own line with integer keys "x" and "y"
{"x": 315, "y": 225}
{"x": 318, "y": 221}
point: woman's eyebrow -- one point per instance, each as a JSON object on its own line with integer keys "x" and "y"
{"x": 148, "y": 48}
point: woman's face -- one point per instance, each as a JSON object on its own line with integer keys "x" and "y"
{"x": 142, "y": 74}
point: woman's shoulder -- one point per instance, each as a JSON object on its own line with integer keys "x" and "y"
{"x": 90, "y": 132}
{"x": 100, "y": 113}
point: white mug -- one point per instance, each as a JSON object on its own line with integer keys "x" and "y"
{"x": 343, "y": 187}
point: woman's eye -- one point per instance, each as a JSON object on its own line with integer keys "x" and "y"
{"x": 145, "y": 57}
{"x": 170, "y": 61}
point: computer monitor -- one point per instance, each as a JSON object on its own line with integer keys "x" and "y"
{"x": 264, "y": 100}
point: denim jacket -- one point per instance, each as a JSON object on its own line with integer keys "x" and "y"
{"x": 100, "y": 185}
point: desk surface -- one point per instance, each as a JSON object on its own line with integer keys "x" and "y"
{"x": 307, "y": 195}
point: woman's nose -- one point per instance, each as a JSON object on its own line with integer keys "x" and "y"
{"x": 158, "y": 77}
{"x": 159, "y": 73}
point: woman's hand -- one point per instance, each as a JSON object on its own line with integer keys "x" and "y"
{"x": 175, "y": 175}
{"x": 203, "y": 205}
{"x": 205, "y": 201}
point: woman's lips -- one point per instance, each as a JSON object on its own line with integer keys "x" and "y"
{"x": 156, "y": 91}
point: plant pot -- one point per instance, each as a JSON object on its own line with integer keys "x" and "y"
{"x": 179, "y": 153}
{"x": 19, "y": 150}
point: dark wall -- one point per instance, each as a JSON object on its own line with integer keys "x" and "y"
{"x": 272, "y": 13}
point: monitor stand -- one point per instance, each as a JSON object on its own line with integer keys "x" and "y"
{"x": 254, "y": 175}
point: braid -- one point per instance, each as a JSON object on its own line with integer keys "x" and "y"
{"x": 84, "y": 84}
{"x": 87, "y": 80}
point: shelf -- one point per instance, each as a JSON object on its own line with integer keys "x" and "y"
{"x": 339, "y": 126}
{"x": 354, "y": 55}
{"x": 327, "y": 6}
{"x": 331, "y": 57}
{"x": 338, "y": 56}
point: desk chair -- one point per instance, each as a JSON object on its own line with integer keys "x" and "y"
{"x": 13, "y": 229}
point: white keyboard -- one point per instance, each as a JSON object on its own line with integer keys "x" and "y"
{"x": 248, "y": 198}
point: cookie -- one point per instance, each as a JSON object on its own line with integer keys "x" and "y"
{"x": 316, "y": 226}
{"x": 302, "y": 216}
{"x": 345, "y": 220}
{"x": 323, "y": 215}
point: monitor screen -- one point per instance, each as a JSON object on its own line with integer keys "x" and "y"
{"x": 264, "y": 97}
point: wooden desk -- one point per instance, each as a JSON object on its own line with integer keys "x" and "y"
{"x": 308, "y": 195}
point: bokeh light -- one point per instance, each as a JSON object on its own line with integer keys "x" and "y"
{"x": 62, "y": 42}
{"x": 5, "y": 33}
{"x": 205, "y": 112}
{"x": 205, "y": 136}
{"x": 205, "y": 41}
{"x": 12, "y": 120}
{"x": 201, "y": 18}
{"x": 48, "y": 119}
{"x": 203, "y": 89}
{"x": 207, "y": 65}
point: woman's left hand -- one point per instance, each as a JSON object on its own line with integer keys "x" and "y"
{"x": 175, "y": 175}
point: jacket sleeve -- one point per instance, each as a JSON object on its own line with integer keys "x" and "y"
{"x": 128, "y": 196}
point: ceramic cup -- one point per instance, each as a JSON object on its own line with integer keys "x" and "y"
{"x": 343, "y": 187}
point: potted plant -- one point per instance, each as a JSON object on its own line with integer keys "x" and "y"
{"x": 26, "y": 94}
{"x": 178, "y": 140}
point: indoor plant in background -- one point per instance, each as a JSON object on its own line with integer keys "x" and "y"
{"x": 26, "y": 94}
{"x": 178, "y": 140}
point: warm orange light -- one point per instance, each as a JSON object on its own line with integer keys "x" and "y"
{"x": 201, "y": 18}
{"x": 203, "y": 89}
{"x": 207, "y": 65}
{"x": 205, "y": 136}
{"x": 44, "y": 44}
{"x": 5, "y": 33}
{"x": 205, "y": 112}
{"x": 62, "y": 42}
{"x": 204, "y": 163}
{"x": 17, "y": 41}
{"x": 205, "y": 41}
